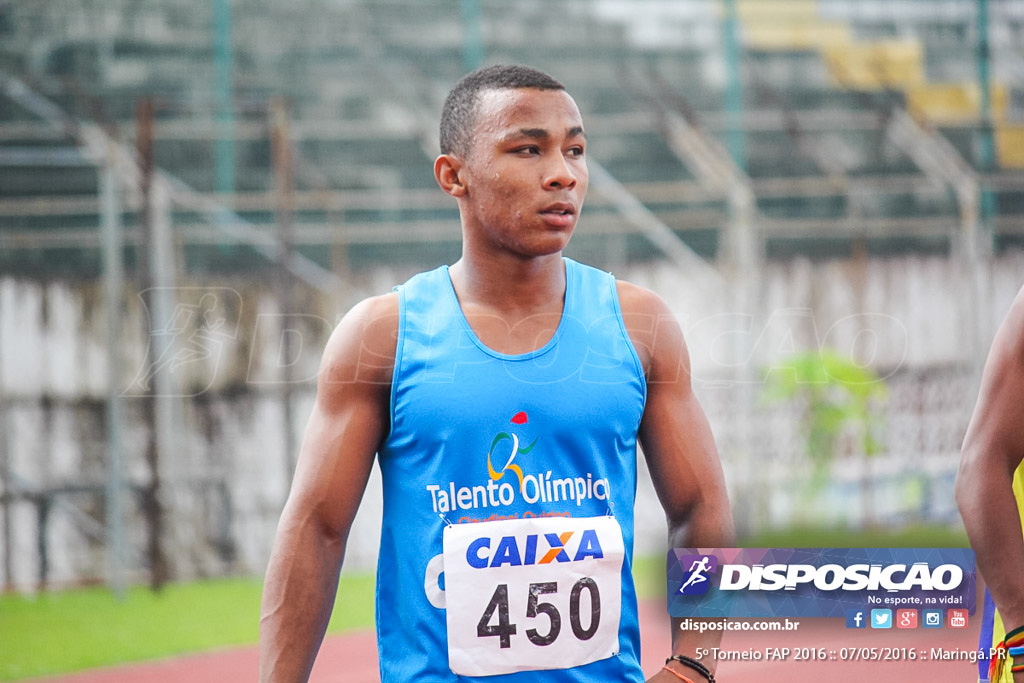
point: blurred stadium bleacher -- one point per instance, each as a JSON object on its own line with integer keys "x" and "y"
{"x": 856, "y": 120}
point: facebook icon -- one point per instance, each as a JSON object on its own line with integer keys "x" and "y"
{"x": 855, "y": 618}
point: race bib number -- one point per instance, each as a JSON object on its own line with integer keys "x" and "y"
{"x": 532, "y": 594}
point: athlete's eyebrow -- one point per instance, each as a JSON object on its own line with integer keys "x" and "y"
{"x": 542, "y": 134}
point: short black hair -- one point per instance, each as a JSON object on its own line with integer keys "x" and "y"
{"x": 459, "y": 112}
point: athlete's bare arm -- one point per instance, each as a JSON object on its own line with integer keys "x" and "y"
{"x": 679, "y": 448}
{"x": 348, "y": 423}
{"x": 992, "y": 450}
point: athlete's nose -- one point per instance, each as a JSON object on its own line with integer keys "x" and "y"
{"x": 560, "y": 175}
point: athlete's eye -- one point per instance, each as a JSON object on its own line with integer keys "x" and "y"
{"x": 527, "y": 150}
{"x": 575, "y": 151}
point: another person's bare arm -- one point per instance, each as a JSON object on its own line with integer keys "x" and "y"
{"x": 348, "y": 423}
{"x": 992, "y": 450}
{"x": 679, "y": 448}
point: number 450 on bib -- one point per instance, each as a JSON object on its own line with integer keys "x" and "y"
{"x": 532, "y": 594}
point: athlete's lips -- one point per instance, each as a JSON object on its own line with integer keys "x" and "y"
{"x": 561, "y": 215}
{"x": 560, "y": 208}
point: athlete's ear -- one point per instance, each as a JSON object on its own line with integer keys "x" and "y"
{"x": 448, "y": 173}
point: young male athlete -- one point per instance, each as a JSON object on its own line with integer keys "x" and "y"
{"x": 503, "y": 397}
{"x": 990, "y": 493}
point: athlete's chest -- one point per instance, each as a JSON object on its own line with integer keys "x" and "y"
{"x": 513, "y": 333}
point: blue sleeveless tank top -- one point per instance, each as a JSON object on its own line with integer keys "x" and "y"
{"x": 572, "y": 407}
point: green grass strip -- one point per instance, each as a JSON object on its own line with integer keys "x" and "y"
{"x": 55, "y": 633}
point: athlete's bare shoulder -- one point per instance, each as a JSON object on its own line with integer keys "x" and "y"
{"x": 361, "y": 350}
{"x": 1013, "y": 328}
{"x": 637, "y": 300}
{"x": 999, "y": 410}
{"x": 1007, "y": 352}
{"x": 653, "y": 329}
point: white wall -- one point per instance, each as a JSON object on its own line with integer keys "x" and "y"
{"x": 912, "y": 310}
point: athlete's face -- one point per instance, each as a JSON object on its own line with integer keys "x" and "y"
{"x": 523, "y": 180}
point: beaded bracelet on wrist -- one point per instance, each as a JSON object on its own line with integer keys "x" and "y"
{"x": 691, "y": 663}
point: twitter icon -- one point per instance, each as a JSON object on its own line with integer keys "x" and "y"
{"x": 881, "y": 618}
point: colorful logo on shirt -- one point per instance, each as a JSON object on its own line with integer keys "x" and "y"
{"x": 519, "y": 419}
{"x": 497, "y": 491}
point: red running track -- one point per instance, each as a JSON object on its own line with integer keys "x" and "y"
{"x": 352, "y": 658}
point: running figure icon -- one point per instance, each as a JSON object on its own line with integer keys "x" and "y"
{"x": 697, "y": 570}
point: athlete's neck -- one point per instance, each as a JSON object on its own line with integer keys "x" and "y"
{"x": 510, "y": 284}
